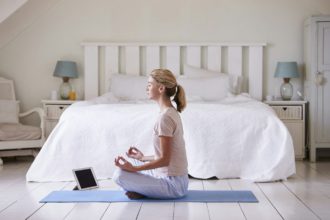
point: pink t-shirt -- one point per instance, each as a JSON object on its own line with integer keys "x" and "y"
{"x": 169, "y": 124}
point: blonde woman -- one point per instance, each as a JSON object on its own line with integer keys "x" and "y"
{"x": 164, "y": 175}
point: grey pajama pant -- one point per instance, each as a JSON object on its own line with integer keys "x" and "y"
{"x": 149, "y": 185}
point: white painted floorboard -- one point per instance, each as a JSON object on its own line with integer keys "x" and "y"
{"x": 223, "y": 210}
{"x": 286, "y": 203}
{"x": 304, "y": 196}
{"x": 122, "y": 211}
{"x": 261, "y": 210}
{"x": 191, "y": 210}
{"x": 29, "y": 203}
{"x": 54, "y": 210}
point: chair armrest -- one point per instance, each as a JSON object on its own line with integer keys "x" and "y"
{"x": 41, "y": 114}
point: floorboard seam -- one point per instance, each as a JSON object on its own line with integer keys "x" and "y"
{"x": 270, "y": 201}
{"x": 310, "y": 209}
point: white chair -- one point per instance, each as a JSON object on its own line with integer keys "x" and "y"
{"x": 17, "y": 139}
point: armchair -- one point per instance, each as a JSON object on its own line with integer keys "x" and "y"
{"x": 17, "y": 139}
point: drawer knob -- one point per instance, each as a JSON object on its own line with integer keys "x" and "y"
{"x": 285, "y": 108}
{"x": 61, "y": 107}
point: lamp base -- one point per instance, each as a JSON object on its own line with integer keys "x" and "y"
{"x": 286, "y": 89}
{"x": 65, "y": 90}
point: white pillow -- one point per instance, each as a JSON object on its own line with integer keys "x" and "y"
{"x": 192, "y": 71}
{"x": 207, "y": 88}
{"x": 127, "y": 87}
{"x": 106, "y": 98}
{"x": 235, "y": 81}
{"x": 8, "y": 111}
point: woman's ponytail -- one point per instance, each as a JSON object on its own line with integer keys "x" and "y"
{"x": 180, "y": 99}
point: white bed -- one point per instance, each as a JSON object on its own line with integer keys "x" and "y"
{"x": 232, "y": 137}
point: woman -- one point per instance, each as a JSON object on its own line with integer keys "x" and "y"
{"x": 164, "y": 175}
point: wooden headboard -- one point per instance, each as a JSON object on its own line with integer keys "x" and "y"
{"x": 101, "y": 59}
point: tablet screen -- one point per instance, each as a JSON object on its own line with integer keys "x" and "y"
{"x": 85, "y": 178}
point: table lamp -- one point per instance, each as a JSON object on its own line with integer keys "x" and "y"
{"x": 66, "y": 70}
{"x": 286, "y": 70}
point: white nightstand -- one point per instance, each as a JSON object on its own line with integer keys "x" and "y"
{"x": 53, "y": 110}
{"x": 293, "y": 114}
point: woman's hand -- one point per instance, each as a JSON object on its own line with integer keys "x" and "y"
{"x": 124, "y": 164}
{"x": 134, "y": 153}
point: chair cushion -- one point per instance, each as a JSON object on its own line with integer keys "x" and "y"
{"x": 8, "y": 111}
{"x": 16, "y": 131}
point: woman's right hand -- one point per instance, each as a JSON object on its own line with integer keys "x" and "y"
{"x": 134, "y": 153}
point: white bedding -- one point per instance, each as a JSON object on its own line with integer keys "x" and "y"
{"x": 237, "y": 137}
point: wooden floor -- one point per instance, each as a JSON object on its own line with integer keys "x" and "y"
{"x": 305, "y": 196}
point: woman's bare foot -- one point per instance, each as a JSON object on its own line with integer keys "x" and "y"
{"x": 134, "y": 195}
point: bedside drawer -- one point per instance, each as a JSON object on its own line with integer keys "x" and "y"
{"x": 55, "y": 111}
{"x": 294, "y": 112}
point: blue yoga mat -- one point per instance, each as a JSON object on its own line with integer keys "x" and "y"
{"x": 119, "y": 196}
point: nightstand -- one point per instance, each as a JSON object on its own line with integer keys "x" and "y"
{"x": 293, "y": 115}
{"x": 53, "y": 111}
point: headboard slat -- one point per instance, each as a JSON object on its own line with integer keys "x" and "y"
{"x": 91, "y": 59}
{"x": 214, "y": 58}
{"x": 173, "y": 58}
{"x": 255, "y": 71}
{"x": 132, "y": 61}
{"x": 235, "y": 62}
{"x": 111, "y": 63}
{"x": 152, "y": 58}
{"x": 194, "y": 54}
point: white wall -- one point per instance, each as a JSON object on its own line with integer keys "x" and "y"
{"x": 7, "y": 7}
{"x": 29, "y": 55}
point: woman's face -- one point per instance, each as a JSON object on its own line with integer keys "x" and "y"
{"x": 153, "y": 90}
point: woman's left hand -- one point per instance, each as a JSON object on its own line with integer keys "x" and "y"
{"x": 122, "y": 163}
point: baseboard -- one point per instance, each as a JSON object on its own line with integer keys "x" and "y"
{"x": 322, "y": 154}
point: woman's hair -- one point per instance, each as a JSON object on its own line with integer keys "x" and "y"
{"x": 172, "y": 88}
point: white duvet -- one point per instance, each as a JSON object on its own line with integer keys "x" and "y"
{"x": 236, "y": 138}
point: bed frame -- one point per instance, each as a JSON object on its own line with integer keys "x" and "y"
{"x": 103, "y": 59}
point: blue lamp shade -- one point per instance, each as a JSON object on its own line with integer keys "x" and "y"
{"x": 287, "y": 70}
{"x": 66, "y": 69}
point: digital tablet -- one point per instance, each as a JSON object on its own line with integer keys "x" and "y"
{"x": 85, "y": 178}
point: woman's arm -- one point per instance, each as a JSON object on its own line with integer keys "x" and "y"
{"x": 135, "y": 153}
{"x": 147, "y": 158}
{"x": 162, "y": 161}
